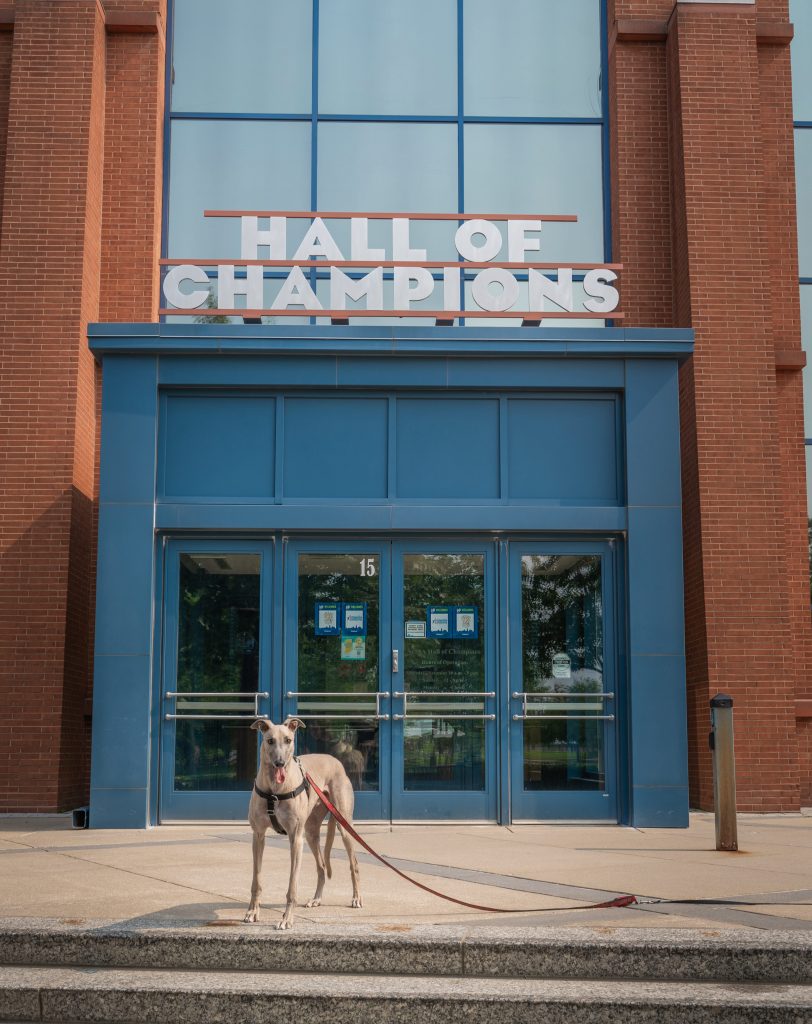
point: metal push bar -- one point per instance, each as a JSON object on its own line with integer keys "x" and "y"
{"x": 437, "y": 712}
{"x": 188, "y": 700}
{"x": 528, "y": 707}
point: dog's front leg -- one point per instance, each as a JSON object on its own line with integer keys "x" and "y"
{"x": 256, "y": 888}
{"x": 296, "y": 844}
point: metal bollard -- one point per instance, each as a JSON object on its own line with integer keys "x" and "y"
{"x": 724, "y": 771}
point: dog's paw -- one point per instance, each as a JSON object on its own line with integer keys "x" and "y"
{"x": 284, "y": 925}
{"x": 313, "y": 903}
{"x": 251, "y": 917}
{"x": 356, "y": 903}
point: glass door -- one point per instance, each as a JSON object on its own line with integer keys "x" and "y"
{"x": 215, "y": 676}
{"x": 562, "y": 681}
{"x": 443, "y": 681}
{"x": 337, "y": 670}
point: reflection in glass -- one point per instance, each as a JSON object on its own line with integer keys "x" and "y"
{"x": 803, "y": 185}
{"x": 328, "y": 666}
{"x": 218, "y": 652}
{"x": 800, "y": 14}
{"x": 541, "y": 168}
{"x": 355, "y": 744}
{"x": 246, "y": 57}
{"x": 444, "y": 753}
{"x": 379, "y": 58}
{"x": 562, "y": 655}
{"x": 234, "y": 165}
{"x": 549, "y": 66}
{"x": 391, "y": 168}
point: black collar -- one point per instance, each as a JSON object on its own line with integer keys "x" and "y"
{"x": 274, "y": 798}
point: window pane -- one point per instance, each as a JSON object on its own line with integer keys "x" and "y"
{"x": 218, "y": 652}
{"x": 800, "y": 13}
{"x": 247, "y": 57}
{"x": 388, "y": 58}
{"x": 540, "y": 169}
{"x": 532, "y": 58}
{"x": 806, "y": 340}
{"x": 233, "y": 165}
{"x": 390, "y": 168}
{"x": 809, "y": 497}
{"x": 803, "y": 185}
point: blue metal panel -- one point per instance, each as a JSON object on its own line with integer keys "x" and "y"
{"x": 503, "y": 342}
{"x": 652, "y": 431}
{"x": 448, "y": 448}
{"x": 377, "y": 371}
{"x": 335, "y": 447}
{"x": 121, "y": 740}
{"x": 536, "y": 373}
{"x": 118, "y": 808}
{"x": 655, "y": 579}
{"x": 660, "y": 806}
{"x": 257, "y": 371}
{"x": 659, "y": 738}
{"x": 217, "y": 446}
{"x": 128, "y": 417}
{"x": 563, "y": 450}
{"x": 125, "y": 567}
{"x": 335, "y": 516}
{"x": 121, "y": 704}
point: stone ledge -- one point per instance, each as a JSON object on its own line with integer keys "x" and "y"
{"x": 730, "y": 956}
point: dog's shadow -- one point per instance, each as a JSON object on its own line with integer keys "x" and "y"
{"x": 187, "y": 916}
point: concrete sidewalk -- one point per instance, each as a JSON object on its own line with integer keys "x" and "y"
{"x": 201, "y": 874}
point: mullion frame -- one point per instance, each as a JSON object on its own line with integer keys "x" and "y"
{"x": 460, "y": 119}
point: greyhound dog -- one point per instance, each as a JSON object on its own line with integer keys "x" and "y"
{"x": 294, "y": 805}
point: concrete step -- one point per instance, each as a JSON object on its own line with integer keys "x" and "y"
{"x": 59, "y": 994}
{"x": 611, "y": 954}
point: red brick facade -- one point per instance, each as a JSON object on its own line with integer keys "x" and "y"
{"x": 83, "y": 102}
{"x": 703, "y": 210}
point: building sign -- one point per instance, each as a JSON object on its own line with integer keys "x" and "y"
{"x": 493, "y": 250}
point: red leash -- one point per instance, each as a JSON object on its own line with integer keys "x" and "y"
{"x": 620, "y": 901}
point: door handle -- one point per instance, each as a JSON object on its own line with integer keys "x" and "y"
{"x": 395, "y": 660}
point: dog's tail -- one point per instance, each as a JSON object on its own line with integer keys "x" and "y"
{"x": 328, "y": 844}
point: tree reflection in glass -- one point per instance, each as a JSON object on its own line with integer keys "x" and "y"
{"x": 444, "y": 753}
{"x": 562, "y": 653}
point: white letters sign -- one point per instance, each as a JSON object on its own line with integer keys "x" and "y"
{"x": 398, "y": 280}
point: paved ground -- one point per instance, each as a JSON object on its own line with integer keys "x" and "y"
{"x": 202, "y": 874}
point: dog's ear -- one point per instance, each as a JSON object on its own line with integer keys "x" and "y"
{"x": 262, "y": 724}
{"x": 294, "y": 723}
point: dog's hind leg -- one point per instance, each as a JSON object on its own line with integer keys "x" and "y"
{"x": 256, "y": 887}
{"x": 328, "y": 844}
{"x": 356, "y": 890}
{"x": 312, "y": 837}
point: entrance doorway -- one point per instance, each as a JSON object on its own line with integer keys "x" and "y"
{"x": 457, "y": 679}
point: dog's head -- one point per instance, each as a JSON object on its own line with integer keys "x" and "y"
{"x": 277, "y": 745}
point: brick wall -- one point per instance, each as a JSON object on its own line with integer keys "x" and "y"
{"x": 732, "y": 277}
{"x": 63, "y": 87}
{"x": 702, "y": 182}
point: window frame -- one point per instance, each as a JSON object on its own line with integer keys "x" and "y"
{"x": 315, "y": 118}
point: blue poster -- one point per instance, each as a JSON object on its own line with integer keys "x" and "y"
{"x": 328, "y": 618}
{"x": 438, "y": 619}
{"x": 355, "y": 618}
{"x": 466, "y": 622}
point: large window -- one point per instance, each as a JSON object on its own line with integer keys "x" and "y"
{"x": 801, "y": 16}
{"x": 442, "y": 106}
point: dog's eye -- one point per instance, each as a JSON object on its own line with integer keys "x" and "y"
{"x": 288, "y": 740}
